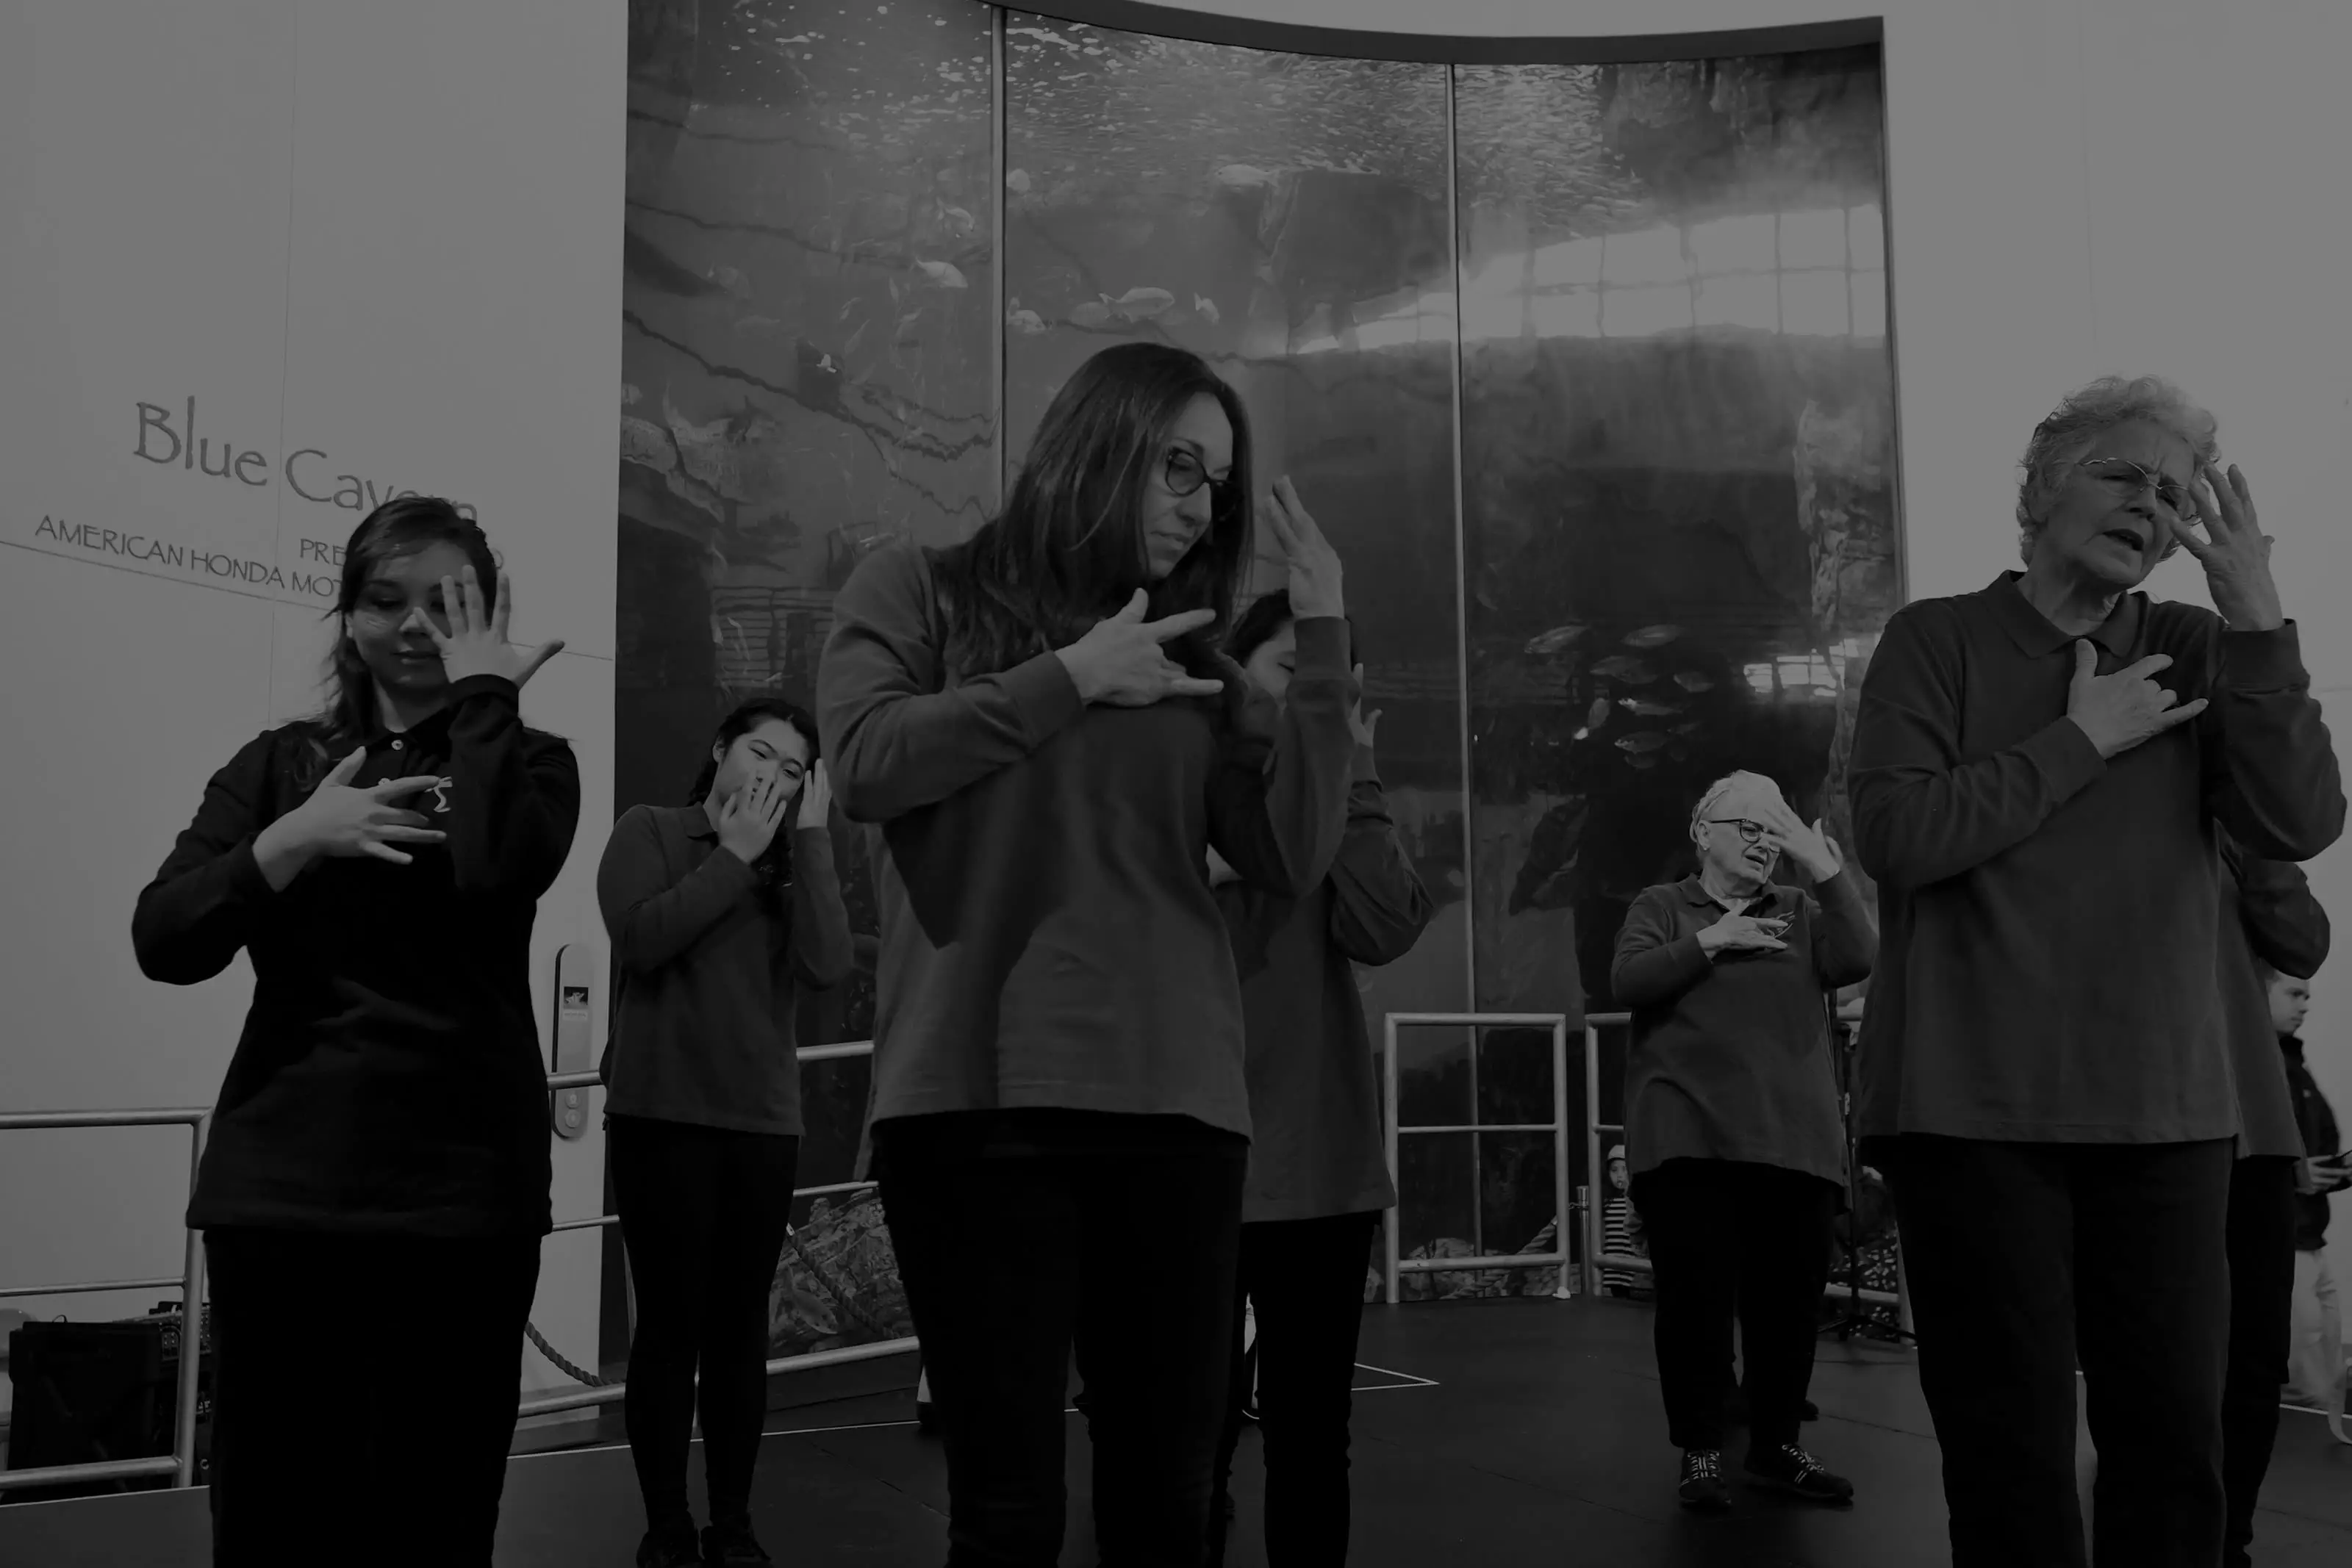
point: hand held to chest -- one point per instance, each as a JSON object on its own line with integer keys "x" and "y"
{"x": 1743, "y": 934}
{"x": 1123, "y": 659}
{"x": 2127, "y": 708}
{"x": 340, "y": 820}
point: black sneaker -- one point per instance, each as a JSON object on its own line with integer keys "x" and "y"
{"x": 669, "y": 1546}
{"x": 733, "y": 1543}
{"x": 1791, "y": 1469}
{"x": 1702, "y": 1485}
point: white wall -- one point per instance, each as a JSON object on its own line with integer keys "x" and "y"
{"x": 383, "y": 234}
{"x": 389, "y": 232}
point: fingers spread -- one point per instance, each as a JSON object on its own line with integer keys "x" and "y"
{"x": 344, "y": 771}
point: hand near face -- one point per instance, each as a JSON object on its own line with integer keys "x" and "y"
{"x": 475, "y": 643}
{"x": 816, "y": 796}
{"x": 748, "y": 820}
{"x": 1314, "y": 570}
{"x": 1809, "y": 847}
{"x": 1360, "y": 724}
{"x": 2234, "y": 552}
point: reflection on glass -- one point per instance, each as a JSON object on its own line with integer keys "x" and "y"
{"x": 1680, "y": 532}
{"x": 1284, "y": 215}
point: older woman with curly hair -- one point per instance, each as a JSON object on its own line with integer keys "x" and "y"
{"x": 2039, "y": 771}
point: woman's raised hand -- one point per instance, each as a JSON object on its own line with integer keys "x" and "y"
{"x": 749, "y": 818}
{"x": 1315, "y": 572}
{"x": 2234, "y": 552}
{"x": 1123, "y": 659}
{"x": 1361, "y": 724}
{"x": 475, "y": 643}
{"x": 339, "y": 819}
{"x": 1811, "y": 848}
{"x": 816, "y": 796}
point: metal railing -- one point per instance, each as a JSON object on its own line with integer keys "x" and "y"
{"x": 181, "y": 1463}
{"x": 1595, "y": 1258}
{"x": 1557, "y": 1127}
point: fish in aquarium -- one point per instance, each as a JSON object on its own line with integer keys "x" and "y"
{"x": 1642, "y": 708}
{"x": 1693, "y": 681}
{"x": 1142, "y": 304}
{"x": 1089, "y": 313}
{"x": 1691, "y": 728}
{"x": 1641, "y": 743}
{"x": 940, "y": 274}
{"x": 1599, "y": 714}
{"x": 1206, "y": 309}
{"x": 1017, "y": 180}
{"x": 1028, "y": 323}
{"x": 1243, "y": 177}
{"x": 1652, "y": 636}
{"x": 1624, "y": 668}
{"x": 1543, "y": 645}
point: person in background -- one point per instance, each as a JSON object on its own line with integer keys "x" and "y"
{"x": 2036, "y": 770}
{"x": 381, "y": 1141}
{"x": 1040, "y": 722}
{"x": 1732, "y": 1127}
{"x": 2270, "y": 924}
{"x": 719, "y": 911}
{"x": 1317, "y": 1177}
{"x": 1621, "y": 1230}
{"x": 2316, "y": 1357}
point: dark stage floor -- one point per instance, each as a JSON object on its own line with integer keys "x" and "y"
{"x": 1510, "y": 1432}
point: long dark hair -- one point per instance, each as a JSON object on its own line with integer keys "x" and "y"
{"x": 395, "y": 528}
{"x": 1068, "y": 546}
{"x": 776, "y": 865}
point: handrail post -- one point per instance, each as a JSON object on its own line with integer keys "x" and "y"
{"x": 192, "y": 1322}
{"x": 1560, "y": 1145}
{"x": 1396, "y": 1175}
{"x": 1592, "y": 1155}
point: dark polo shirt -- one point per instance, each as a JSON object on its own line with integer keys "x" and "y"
{"x": 1730, "y": 1058}
{"x": 2269, "y": 916}
{"x": 2050, "y": 919}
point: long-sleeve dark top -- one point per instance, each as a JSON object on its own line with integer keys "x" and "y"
{"x": 2050, "y": 917}
{"x": 2269, "y": 916}
{"x": 1319, "y": 1147}
{"x": 389, "y": 1080}
{"x": 705, "y": 964}
{"x": 1049, "y": 938}
{"x": 1730, "y": 1059}
{"x": 2317, "y": 1122}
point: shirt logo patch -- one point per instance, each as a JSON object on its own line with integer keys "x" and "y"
{"x": 441, "y": 795}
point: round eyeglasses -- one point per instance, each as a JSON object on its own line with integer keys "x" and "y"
{"x": 1749, "y": 832}
{"x": 2127, "y": 479}
{"x": 1185, "y": 474}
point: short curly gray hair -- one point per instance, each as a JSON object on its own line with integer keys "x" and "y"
{"x": 2083, "y": 417}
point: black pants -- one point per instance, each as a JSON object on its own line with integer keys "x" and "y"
{"x": 1724, "y": 1232}
{"x": 2261, "y": 1311}
{"x": 1020, "y": 1233}
{"x": 364, "y": 1395}
{"x": 703, "y": 1212}
{"x": 1305, "y": 1281}
{"x": 2022, "y": 1258}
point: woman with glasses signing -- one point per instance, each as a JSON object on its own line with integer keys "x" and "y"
{"x": 2039, "y": 771}
{"x": 1040, "y": 723}
{"x": 1732, "y": 1124}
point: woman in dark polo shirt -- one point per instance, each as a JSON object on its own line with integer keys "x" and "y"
{"x": 381, "y": 1141}
{"x": 1318, "y": 1176}
{"x": 2044, "y": 1070}
{"x": 1732, "y": 1125}
{"x": 719, "y": 911}
{"x": 1051, "y": 745}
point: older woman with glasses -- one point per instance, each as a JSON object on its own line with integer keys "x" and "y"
{"x": 1732, "y": 1124}
{"x": 2039, "y": 771}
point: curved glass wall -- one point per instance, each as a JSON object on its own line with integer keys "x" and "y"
{"x": 1583, "y": 367}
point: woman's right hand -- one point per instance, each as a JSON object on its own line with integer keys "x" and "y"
{"x": 338, "y": 819}
{"x": 1742, "y": 934}
{"x": 1123, "y": 659}
{"x": 749, "y": 819}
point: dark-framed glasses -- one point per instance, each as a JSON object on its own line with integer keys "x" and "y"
{"x": 1185, "y": 474}
{"x": 1749, "y": 832}
{"x": 2127, "y": 479}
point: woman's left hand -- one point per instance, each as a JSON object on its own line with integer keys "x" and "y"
{"x": 2234, "y": 552}
{"x": 1361, "y": 724}
{"x": 817, "y": 797}
{"x": 1809, "y": 847}
{"x": 475, "y": 643}
{"x": 1314, "y": 570}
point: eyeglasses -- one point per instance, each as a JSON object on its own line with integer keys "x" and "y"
{"x": 1749, "y": 832}
{"x": 2127, "y": 479}
{"x": 1185, "y": 474}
